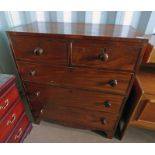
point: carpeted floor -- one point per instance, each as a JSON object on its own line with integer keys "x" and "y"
{"x": 52, "y": 133}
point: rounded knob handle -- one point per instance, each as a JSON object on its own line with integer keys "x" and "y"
{"x": 103, "y": 120}
{"x": 32, "y": 73}
{"x": 42, "y": 111}
{"x": 107, "y": 104}
{"x": 38, "y": 51}
{"x": 113, "y": 83}
{"x": 37, "y": 93}
{"x": 103, "y": 56}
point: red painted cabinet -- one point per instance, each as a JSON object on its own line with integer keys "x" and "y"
{"x": 19, "y": 131}
{"x": 13, "y": 119}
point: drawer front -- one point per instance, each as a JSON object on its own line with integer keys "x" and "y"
{"x": 80, "y": 118}
{"x": 18, "y": 133}
{"x": 40, "y": 49}
{"x": 10, "y": 120}
{"x": 75, "y": 77}
{"x": 42, "y": 94}
{"x": 7, "y": 99}
{"x": 104, "y": 55}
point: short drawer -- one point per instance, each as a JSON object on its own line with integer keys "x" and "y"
{"x": 40, "y": 94}
{"x": 108, "y": 55}
{"x": 75, "y": 77}
{"x": 19, "y": 131}
{"x": 7, "y": 99}
{"x": 40, "y": 49}
{"x": 9, "y": 122}
{"x": 80, "y": 118}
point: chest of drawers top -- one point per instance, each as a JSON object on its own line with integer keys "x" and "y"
{"x": 113, "y": 47}
{"x": 81, "y": 31}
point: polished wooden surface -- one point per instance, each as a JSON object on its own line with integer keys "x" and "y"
{"x": 39, "y": 94}
{"x": 25, "y": 48}
{"x": 74, "y": 77}
{"x": 83, "y": 53}
{"x": 118, "y": 56}
{"x": 80, "y": 118}
{"x": 78, "y": 30}
{"x": 75, "y": 67}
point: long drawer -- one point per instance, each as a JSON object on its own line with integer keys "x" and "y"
{"x": 39, "y": 48}
{"x": 80, "y": 118}
{"x": 7, "y": 99}
{"x": 40, "y": 94}
{"x": 101, "y": 54}
{"x": 7, "y": 124}
{"x": 75, "y": 77}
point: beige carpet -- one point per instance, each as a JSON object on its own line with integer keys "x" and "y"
{"x": 52, "y": 133}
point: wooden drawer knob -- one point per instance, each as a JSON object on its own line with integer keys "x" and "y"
{"x": 107, "y": 104}
{"x": 37, "y": 93}
{"x": 38, "y": 51}
{"x": 103, "y": 56}
{"x": 32, "y": 73}
{"x": 103, "y": 120}
{"x": 113, "y": 83}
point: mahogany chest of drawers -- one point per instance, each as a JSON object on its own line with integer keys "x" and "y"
{"x": 14, "y": 123}
{"x": 78, "y": 75}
